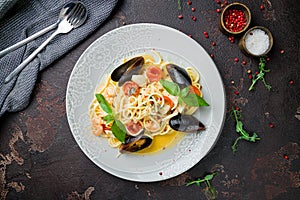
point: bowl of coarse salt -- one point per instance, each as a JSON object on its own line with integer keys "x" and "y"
{"x": 257, "y": 41}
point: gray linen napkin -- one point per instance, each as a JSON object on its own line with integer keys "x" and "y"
{"x": 22, "y": 18}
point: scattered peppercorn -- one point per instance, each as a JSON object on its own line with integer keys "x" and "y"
{"x": 218, "y": 1}
{"x": 213, "y": 43}
{"x": 194, "y": 18}
{"x": 249, "y": 71}
{"x": 212, "y": 55}
{"x": 231, "y": 39}
{"x": 226, "y": 3}
{"x": 232, "y": 82}
{"x": 205, "y": 34}
{"x": 291, "y": 82}
{"x": 262, "y": 7}
{"x": 285, "y": 156}
{"x": 218, "y": 10}
{"x": 236, "y": 60}
{"x": 237, "y": 108}
{"x": 282, "y": 51}
{"x": 160, "y": 173}
{"x": 271, "y": 125}
{"x": 236, "y": 92}
{"x": 180, "y": 16}
{"x": 268, "y": 59}
{"x": 250, "y": 76}
{"x": 244, "y": 62}
{"x": 193, "y": 9}
{"x": 256, "y": 73}
{"x": 189, "y": 2}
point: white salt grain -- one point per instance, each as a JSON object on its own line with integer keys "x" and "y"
{"x": 257, "y": 42}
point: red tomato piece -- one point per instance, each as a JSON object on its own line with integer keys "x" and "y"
{"x": 134, "y": 128}
{"x": 168, "y": 101}
{"x": 131, "y": 88}
{"x": 195, "y": 90}
{"x": 154, "y": 73}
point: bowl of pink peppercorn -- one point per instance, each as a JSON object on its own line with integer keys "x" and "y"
{"x": 235, "y": 18}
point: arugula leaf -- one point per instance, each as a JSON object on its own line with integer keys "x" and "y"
{"x": 119, "y": 130}
{"x": 243, "y": 133}
{"x": 104, "y": 104}
{"x": 171, "y": 87}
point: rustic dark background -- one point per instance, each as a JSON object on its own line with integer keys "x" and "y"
{"x": 39, "y": 158}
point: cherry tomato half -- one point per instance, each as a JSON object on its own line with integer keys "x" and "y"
{"x": 195, "y": 90}
{"x": 154, "y": 73}
{"x": 168, "y": 101}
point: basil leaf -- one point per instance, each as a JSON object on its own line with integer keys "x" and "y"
{"x": 171, "y": 87}
{"x": 104, "y": 104}
{"x": 194, "y": 100}
{"x": 119, "y": 130}
{"x": 184, "y": 91}
{"x": 108, "y": 118}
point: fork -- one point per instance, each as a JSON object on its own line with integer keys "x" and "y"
{"x": 65, "y": 26}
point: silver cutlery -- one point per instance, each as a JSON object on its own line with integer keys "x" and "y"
{"x": 64, "y": 13}
{"x": 75, "y": 19}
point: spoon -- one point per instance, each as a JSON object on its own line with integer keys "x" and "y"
{"x": 64, "y": 13}
{"x": 76, "y": 18}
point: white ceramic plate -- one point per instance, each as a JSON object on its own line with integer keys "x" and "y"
{"x": 108, "y": 52}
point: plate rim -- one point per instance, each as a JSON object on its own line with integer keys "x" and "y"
{"x": 112, "y": 171}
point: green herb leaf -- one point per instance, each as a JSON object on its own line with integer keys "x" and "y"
{"x": 104, "y": 104}
{"x": 184, "y": 91}
{"x": 209, "y": 177}
{"x": 261, "y": 74}
{"x": 108, "y": 118}
{"x": 194, "y": 100}
{"x": 119, "y": 130}
{"x": 179, "y": 4}
{"x": 254, "y": 137}
{"x": 171, "y": 87}
{"x": 244, "y": 135}
{"x": 211, "y": 190}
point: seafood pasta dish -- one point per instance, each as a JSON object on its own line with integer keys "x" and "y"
{"x": 144, "y": 102}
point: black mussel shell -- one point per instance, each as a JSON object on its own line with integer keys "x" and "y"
{"x": 186, "y": 123}
{"x": 125, "y": 71}
{"x": 179, "y": 75}
{"x": 134, "y": 144}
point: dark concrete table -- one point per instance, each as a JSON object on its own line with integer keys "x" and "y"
{"x": 39, "y": 158}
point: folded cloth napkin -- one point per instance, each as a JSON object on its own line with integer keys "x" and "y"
{"x": 22, "y": 18}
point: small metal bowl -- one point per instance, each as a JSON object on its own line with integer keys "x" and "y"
{"x": 243, "y": 42}
{"x": 235, "y": 6}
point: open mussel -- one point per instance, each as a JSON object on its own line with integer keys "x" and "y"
{"x": 125, "y": 71}
{"x": 179, "y": 75}
{"x": 134, "y": 144}
{"x": 186, "y": 123}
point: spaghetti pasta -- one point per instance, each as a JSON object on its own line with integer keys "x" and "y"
{"x": 142, "y": 104}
